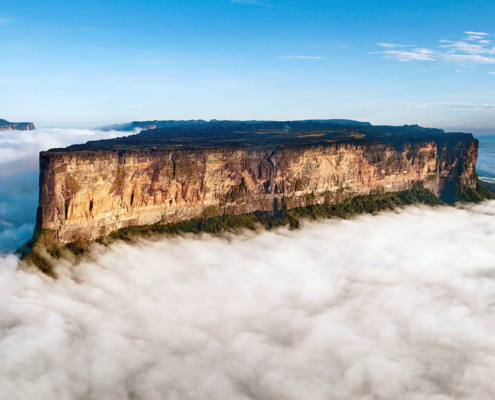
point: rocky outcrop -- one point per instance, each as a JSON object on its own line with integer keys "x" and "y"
{"x": 92, "y": 190}
{"x": 17, "y": 126}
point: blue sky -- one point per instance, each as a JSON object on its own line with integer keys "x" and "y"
{"x": 88, "y": 63}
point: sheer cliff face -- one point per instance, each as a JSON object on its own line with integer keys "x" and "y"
{"x": 89, "y": 194}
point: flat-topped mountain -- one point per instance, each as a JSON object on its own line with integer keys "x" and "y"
{"x": 174, "y": 174}
{"x": 18, "y": 126}
{"x": 156, "y": 124}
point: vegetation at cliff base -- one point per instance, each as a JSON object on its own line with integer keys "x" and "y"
{"x": 454, "y": 192}
{"x": 42, "y": 248}
{"x": 292, "y": 218}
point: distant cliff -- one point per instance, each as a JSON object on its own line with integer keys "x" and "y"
{"x": 175, "y": 174}
{"x": 18, "y": 126}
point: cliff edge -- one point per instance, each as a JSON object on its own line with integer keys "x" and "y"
{"x": 174, "y": 174}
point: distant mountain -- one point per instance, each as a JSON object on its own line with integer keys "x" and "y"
{"x": 18, "y": 126}
{"x": 156, "y": 124}
{"x": 339, "y": 122}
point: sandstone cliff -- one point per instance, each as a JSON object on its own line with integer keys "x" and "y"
{"x": 18, "y": 126}
{"x": 169, "y": 175}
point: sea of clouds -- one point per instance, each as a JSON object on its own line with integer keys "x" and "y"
{"x": 395, "y": 306}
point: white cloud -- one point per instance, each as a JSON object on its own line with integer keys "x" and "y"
{"x": 398, "y": 105}
{"x": 471, "y": 106}
{"x": 463, "y": 58}
{"x": 491, "y": 73}
{"x": 475, "y": 49}
{"x": 391, "y": 45}
{"x": 408, "y": 56}
{"x": 393, "y": 306}
{"x": 487, "y": 179}
{"x": 469, "y": 48}
{"x": 300, "y": 58}
{"x": 477, "y": 33}
{"x": 132, "y": 79}
{"x": 20, "y": 149}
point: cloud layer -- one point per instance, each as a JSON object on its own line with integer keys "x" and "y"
{"x": 19, "y": 150}
{"x": 394, "y": 306}
{"x": 19, "y": 176}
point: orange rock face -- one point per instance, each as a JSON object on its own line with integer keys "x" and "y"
{"x": 90, "y": 194}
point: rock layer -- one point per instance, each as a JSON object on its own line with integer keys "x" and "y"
{"x": 85, "y": 194}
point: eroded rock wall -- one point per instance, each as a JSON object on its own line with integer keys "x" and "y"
{"x": 89, "y": 194}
